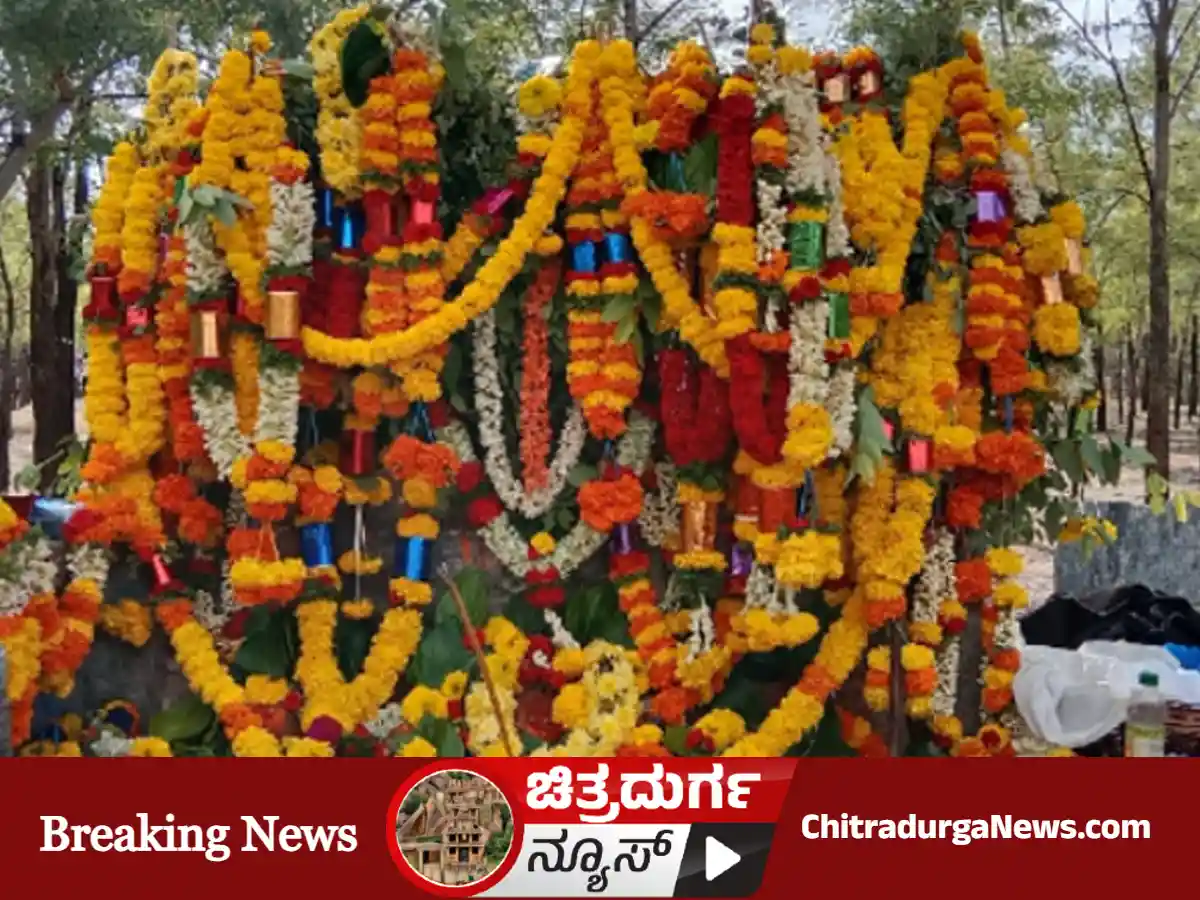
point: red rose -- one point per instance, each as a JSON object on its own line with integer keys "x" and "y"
{"x": 534, "y": 715}
{"x": 484, "y": 511}
{"x": 235, "y": 628}
{"x": 546, "y": 597}
{"x": 469, "y": 476}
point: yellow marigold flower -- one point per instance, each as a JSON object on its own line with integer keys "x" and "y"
{"x": 543, "y": 543}
{"x": 265, "y": 691}
{"x": 420, "y": 525}
{"x": 916, "y": 656}
{"x": 569, "y": 661}
{"x": 570, "y": 708}
{"x": 419, "y": 747}
{"x": 423, "y": 701}
{"x": 538, "y": 96}
{"x": 454, "y": 685}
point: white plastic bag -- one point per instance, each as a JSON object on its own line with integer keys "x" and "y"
{"x": 1074, "y": 697}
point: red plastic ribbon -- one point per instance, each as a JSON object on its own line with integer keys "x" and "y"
{"x": 358, "y": 451}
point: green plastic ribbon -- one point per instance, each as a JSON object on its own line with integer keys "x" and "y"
{"x": 839, "y": 316}
{"x": 805, "y": 241}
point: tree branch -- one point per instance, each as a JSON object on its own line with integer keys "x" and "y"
{"x": 1183, "y": 32}
{"x": 659, "y": 19}
{"x": 1110, "y": 59}
{"x": 1185, "y": 84}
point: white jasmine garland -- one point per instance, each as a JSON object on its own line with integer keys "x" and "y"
{"x": 762, "y": 591}
{"x": 659, "y": 518}
{"x": 293, "y": 217}
{"x": 945, "y": 695}
{"x": 837, "y": 234}
{"x": 89, "y": 561}
{"x": 1027, "y": 201}
{"x": 206, "y": 270}
{"x": 30, "y": 569}
{"x": 489, "y": 403}
{"x": 841, "y": 405}
{"x": 808, "y": 374}
{"x": 560, "y": 636}
{"x": 210, "y": 612}
{"x": 278, "y": 403}
{"x": 216, "y": 414}
{"x": 936, "y": 581}
{"x": 1072, "y": 381}
{"x": 582, "y": 541}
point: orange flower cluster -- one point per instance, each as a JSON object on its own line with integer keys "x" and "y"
{"x": 121, "y": 514}
{"x": 969, "y": 104}
{"x": 603, "y": 374}
{"x": 409, "y": 458}
{"x": 861, "y": 737}
{"x": 675, "y": 218}
{"x": 67, "y": 644}
{"x": 380, "y": 156}
{"x": 680, "y": 95}
{"x": 174, "y": 356}
{"x": 318, "y": 493}
{"x": 199, "y": 522}
{"x": 973, "y": 580}
{"x": 535, "y": 377}
{"x": 606, "y": 503}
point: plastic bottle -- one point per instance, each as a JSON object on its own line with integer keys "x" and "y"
{"x": 1146, "y": 718}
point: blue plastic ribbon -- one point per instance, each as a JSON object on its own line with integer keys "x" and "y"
{"x": 583, "y": 256}
{"x": 51, "y": 514}
{"x": 412, "y": 558}
{"x": 316, "y": 544}
{"x": 616, "y": 247}
{"x": 350, "y": 229}
{"x": 325, "y": 209}
{"x": 1008, "y": 413}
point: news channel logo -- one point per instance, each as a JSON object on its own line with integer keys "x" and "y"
{"x": 453, "y": 829}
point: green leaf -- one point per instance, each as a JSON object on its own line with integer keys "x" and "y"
{"x": 298, "y": 68}
{"x": 452, "y": 368}
{"x": 675, "y": 740}
{"x": 364, "y": 56}
{"x": 594, "y": 614}
{"x": 581, "y": 474}
{"x": 619, "y": 308}
{"x": 626, "y": 330}
{"x": 524, "y": 615}
{"x": 1068, "y": 456}
{"x": 265, "y": 651}
{"x": 700, "y": 167}
{"x": 226, "y": 213}
{"x": 353, "y": 641}
{"x": 1156, "y": 493}
{"x": 441, "y": 652}
{"x": 472, "y": 584}
{"x": 1137, "y": 456}
{"x": 1090, "y": 452}
{"x": 183, "y": 720}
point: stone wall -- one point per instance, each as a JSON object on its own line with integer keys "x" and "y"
{"x": 1158, "y": 551}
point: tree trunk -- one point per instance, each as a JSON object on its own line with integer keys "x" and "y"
{"x": 1144, "y": 393}
{"x": 53, "y": 418}
{"x": 1178, "y": 383}
{"x": 1193, "y": 364}
{"x": 1132, "y": 374}
{"x": 1158, "y": 426}
{"x": 7, "y": 372}
{"x": 1119, "y": 381}
{"x": 1098, "y": 354}
{"x": 629, "y": 20}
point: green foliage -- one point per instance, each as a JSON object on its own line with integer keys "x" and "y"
{"x": 473, "y": 586}
{"x": 271, "y": 643}
{"x": 66, "y": 464}
{"x": 593, "y": 614}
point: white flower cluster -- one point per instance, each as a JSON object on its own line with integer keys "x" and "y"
{"x": 1027, "y": 201}
{"x": 582, "y": 541}
{"x": 489, "y": 403}
{"x": 210, "y": 611}
{"x": 112, "y": 745}
{"x": 945, "y": 695}
{"x": 205, "y": 268}
{"x": 762, "y": 591}
{"x": 659, "y": 518}
{"x": 806, "y": 175}
{"x": 808, "y": 374}
{"x": 841, "y": 405}
{"x": 703, "y": 633}
{"x": 387, "y": 720}
{"x": 772, "y": 210}
{"x": 278, "y": 404}
{"x": 936, "y": 581}
{"x": 31, "y": 565}
{"x": 216, "y": 414}
{"x": 837, "y": 233}
{"x": 293, "y": 217}
{"x": 560, "y": 635}
{"x": 89, "y": 561}
{"x": 1074, "y": 380}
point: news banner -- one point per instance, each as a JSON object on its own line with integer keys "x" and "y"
{"x": 591, "y": 828}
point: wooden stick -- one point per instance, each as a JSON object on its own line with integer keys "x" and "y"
{"x": 477, "y": 648}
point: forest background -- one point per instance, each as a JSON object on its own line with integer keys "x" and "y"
{"x": 1110, "y": 87}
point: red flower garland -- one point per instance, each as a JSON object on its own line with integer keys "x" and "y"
{"x": 695, "y": 410}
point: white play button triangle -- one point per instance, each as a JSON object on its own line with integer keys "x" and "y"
{"x": 718, "y": 859}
